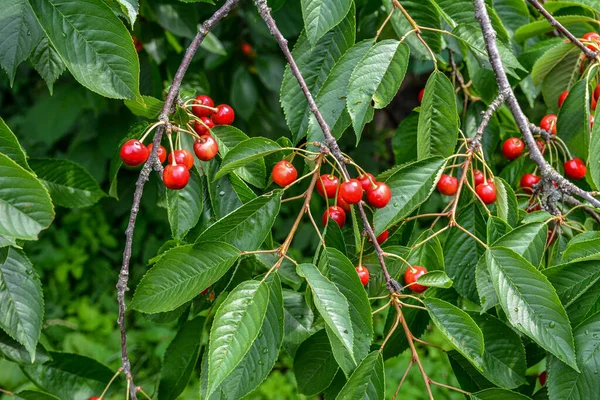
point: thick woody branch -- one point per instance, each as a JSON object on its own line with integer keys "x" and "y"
{"x": 572, "y": 201}
{"x": 154, "y": 163}
{"x": 548, "y": 173}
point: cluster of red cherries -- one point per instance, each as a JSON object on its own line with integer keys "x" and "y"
{"x": 412, "y": 273}
{"x": 485, "y": 189}
{"x": 176, "y": 174}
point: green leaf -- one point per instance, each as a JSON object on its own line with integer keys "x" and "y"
{"x": 411, "y": 185}
{"x": 332, "y": 305}
{"x": 181, "y": 274}
{"x": 498, "y": 394}
{"x": 573, "y": 124}
{"x": 331, "y": 99}
{"x": 69, "y": 184}
{"x": 550, "y": 59}
{"x": 429, "y": 253}
{"x": 145, "y": 106}
{"x": 212, "y": 44}
{"x": 179, "y": 19}
{"x": 69, "y": 376}
{"x": 298, "y": 320}
{"x": 14, "y": 351}
{"x": 565, "y": 383}
{"x": 583, "y": 245}
{"x": 543, "y": 26}
{"x": 315, "y": 63}
{"x": 506, "y": 203}
{"x": 527, "y": 240}
{"x": 375, "y": 81}
{"x": 496, "y": 228}
{"x": 24, "y": 202}
{"x": 244, "y": 94}
{"x": 530, "y": 303}
{"x": 320, "y": 16}
{"x": 236, "y": 326}
{"x": 180, "y": 359}
{"x": 20, "y": 33}
{"x": 89, "y": 30}
{"x": 574, "y": 279}
{"x": 35, "y": 395}
{"x": 131, "y": 8}
{"x": 404, "y": 142}
{"x": 47, "y": 62}
{"x": 314, "y": 365}
{"x": 417, "y": 320}
{"x": 246, "y": 152}
{"x": 438, "y": 119}
{"x": 367, "y": 381}
{"x": 184, "y": 206}
{"x": 459, "y": 328}
{"x": 435, "y": 279}
{"x": 10, "y": 146}
{"x": 469, "y": 377}
{"x": 247, "y": 227}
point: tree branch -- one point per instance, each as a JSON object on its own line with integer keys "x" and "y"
{"x": 485, "y": 119}
{"x": 154, "y": 163}
{"x": 548, "y": 173}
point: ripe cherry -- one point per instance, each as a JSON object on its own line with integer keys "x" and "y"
{"x": 479, "y": 178}
{"x": 367, "y": 180}
{"x": 206, "y": 148}
{"x": 383, "y": 237}
{"x": 246, "y": 49}
{"x": 486, "y": 192}
{"x": 327, "y": 184}
{"x": 597, "y": 92}
{"x": 411, "y": 275}
{"x": 342, "y": 203}
{"x": 363, "y": 274}
{"x": 94, "y": 398}
{"x": 380, "y": 196}
{"x": 548, "y": 123}
{"x": 447, "y": 185}
{"x": 336, "y": 214}
{"x": 543, "y": 378}
{"x": 527, "y": 182}
{"x": 513, "y": 148}
{"x": 224, "y": 115}
{"x": 183, "y": 157}
{"x": 351, "y": 191}
{"x": 575, "y": 168}
{"x": 284, "y": 173}
{"x": 204, "y": 106}
{"x": 562, "y": 98}
{"x": 137, "y": 43}
{"x": 594, "y": 103}
{"x": 134, "y": 153}
{"x": 205, "y": 291}
{"x": 204, "y": 127}
{"x": 541, "y": 145}
{"x": 176, "y": 176}
{"x": 162, "y": 153}
{"x": 592, "y": 37}
{"x": 421, "y": 93}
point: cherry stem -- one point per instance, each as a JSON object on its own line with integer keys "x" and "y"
{"x": 314, "y": 224}
{"x": 385, "y": 254}
{"x": 173, "y": 162}
{"x": 410, "y": 364}
{"x": 387, "y": 304}
{"x": 427, "y": 343}
{"x": 110, "y": 382}
{"x": 9, "y": 393}
{"x": 150, "y": 129}
{"x": 449, "y": 387}
{"x": 393, "y": 328}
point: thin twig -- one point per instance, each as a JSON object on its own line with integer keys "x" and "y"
{"x": 475, "y": 142}
{"x": 410, "y": 364}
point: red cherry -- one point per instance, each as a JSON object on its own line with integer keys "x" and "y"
{"x": 591, "y": 121}
{"x": 447, "y": 185}
{"x": 336, "y": 214}
{"x": 534, "y": 207}
{"x": 224, "y": 115}
{"x": 575, "y": 168}
{"x": 363, "y": 274}
{"x": 478, "y": 177}
{"x": 562, "y": 98}
{"x": 176, "y": 176}
{"x": 182, "y": 157}
{"x": 284, "y": 173}
{"x": 527, "y": 182}
{"x": 94, "y": 398}
{"x": 341, "y": 203}
{"x": 351, "y": 191}
{"x": 548, "y": 123}
{"x": 367, "y": 180}
{"x": 596, "y": 92}
{"x": 543, "y": 378}
{"x": 513, "y": 148}
{"x": 592, "y": 37}
{"x": 327, "y": 184}
{"x": 203, "y": 293}
{"x": 207, "y": 102}
{"x": 380, "y": 195}
{"x": 383, "y": 237}
{"x": 411, "y": 275}
{"x": 134, "y": 153}
{"x": 421, "y": 93}
{"x": 206, "y": 148}
{"x": 486, "y": 192}
{"x": 594, "y": 102}
{"x": 162, "y": 153}
{"x": 246, "y": 48}
{"x": 541, "y": 145}
{"x": 204, "y": 127}
{"x": 137, "y": 43}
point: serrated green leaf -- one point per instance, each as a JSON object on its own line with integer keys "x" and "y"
{"x": 145, "y": 106}
{"x": 550, "y": 59}
{"x": 543, "y": 26}
{"x": 320, "y": 16}
{"x": 314, "y": 364}
{"x": 184, "y": 206}
{"x": 246, "y": 152}
{"x": 498, "y": 394}
{"x": 496, "y": 228}
{"x": 572, "y": 280}
{"x": 594, "y": 156}
{"x": 507, "y": 205}
{"x": 177, "y": 18}
{"x": 470, "y": 378}
{"x": 47, "y": 62}
{"x": 298, "y": 320}
{"x": 583, "y": 245}
{"x": 435, "y": 279}
{"x": 212, "y": 44}
{"x": 573, "y": 124}
{"x": 14, "y": 351}
{"x": 131, "y": 9}
{"x": 181, "y": 274}
{"x": 367, "y": 381}
{"x": 404, "y": 142}
{"x": 35, "y": 395}
{"x": 10, "y": 146}
{"x": 429, "y": 254}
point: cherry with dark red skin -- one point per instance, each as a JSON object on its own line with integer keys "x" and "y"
{"x": 597, "y": 92}
{"x": 328, "y": 184}
{"x": 183, "y": 157}
{"x": 134, "y": 153}
{"x": 207, "y": 110}
{"x": 206, "y": 148}
{"x": 410, "y": 278}
{"x": 541, "y": 145}
{"x": 363, "y": 274}
{"x": 592, "y": 37}
{"x": 562, "y": 97}
{"x": 380, "y": 195}
{"x": 204, "y": 127}
{"x": 478, "y": 177}
{"x": 247, "y": 49}
{"x": 548, "y": 123}
{"x": 335, "y": 213}
{"x": 594, "y": 103}
{"x": 137, "y": 43}
{"x": 575, "y": 168}
{"x": 162, "y": 153}
{"x": 367, "y": 180}
{"x": 176, "y": 176}
{"x": 342, "y": 203}
{"x": 513, "y": 148}
{"x": 383, "y": 237}
{"x": 205, "y": 291}
{"x": 224, "y": 115}
{"x": 351, "y": 191}
{"x": 284, "y": 173}
{"x": 486, "y": 192}
{"x": 527, "y": 182}
{"x": 542, "y": 377}
{"x": 447, "y": 185}
{"x": 420, "y": 96}
{"x": 94, "y": 398}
